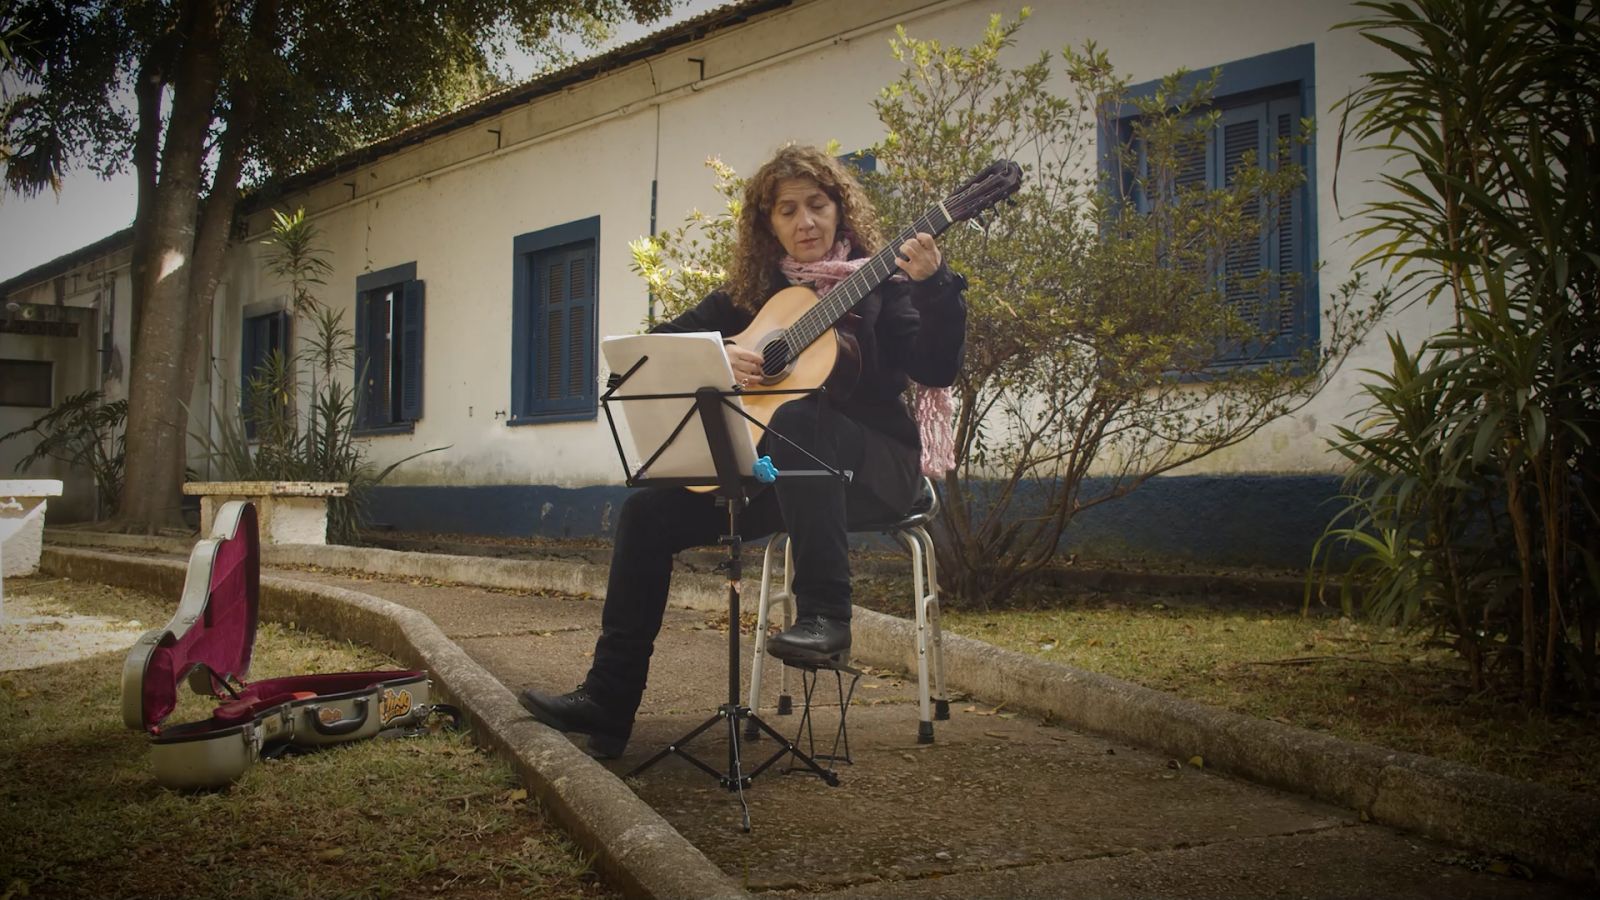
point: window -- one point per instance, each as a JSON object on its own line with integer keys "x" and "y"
{"x": 25, "y": 382}
{"x": 555, "y": 291}
{"x": 1261, "y": 100}
{"x": 389, "y": 349}
{"x": 261, "y": 336}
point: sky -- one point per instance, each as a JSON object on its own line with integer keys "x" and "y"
{"x": 36, "y": 230}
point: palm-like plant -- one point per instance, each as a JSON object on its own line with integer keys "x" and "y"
{"x": 303, "y": 425}
{"x": 83, "y": 431}
{"x": 1492, "y": 207}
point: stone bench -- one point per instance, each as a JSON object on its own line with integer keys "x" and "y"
{"x": 22, "y": 505}
{"x": 290, "y": 512}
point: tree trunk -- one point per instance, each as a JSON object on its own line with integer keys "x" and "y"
{"x": 216, "y": 217}
{"x": 156, "y": 431}
{"x": 210, "y": 246}
{"x": 1530, "y": 618}
{"x": 146, "y": 144}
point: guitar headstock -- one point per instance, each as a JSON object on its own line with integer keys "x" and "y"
{"x": 997, "y": 181}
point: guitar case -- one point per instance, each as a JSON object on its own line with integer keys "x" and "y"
{"x": 209, "y": 642}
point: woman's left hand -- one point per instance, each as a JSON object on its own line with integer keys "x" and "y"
{"x": 919, "y": 257}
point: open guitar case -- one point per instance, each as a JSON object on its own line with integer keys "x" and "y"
{"x": 209, "y": 642}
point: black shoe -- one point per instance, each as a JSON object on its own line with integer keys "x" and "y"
{"x": 581, "y": 713}
{"x": 813, "y": 641}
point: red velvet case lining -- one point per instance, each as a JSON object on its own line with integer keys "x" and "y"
{"x": 222, "y": 638}
{"x": 223, "y": 635}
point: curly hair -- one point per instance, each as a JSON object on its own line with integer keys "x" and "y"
{"x": 752, "y": 278}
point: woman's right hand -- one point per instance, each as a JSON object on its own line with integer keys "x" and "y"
{"x": 746, "y": 364}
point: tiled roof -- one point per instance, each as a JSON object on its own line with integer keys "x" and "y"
{"x": 692, "y": 29}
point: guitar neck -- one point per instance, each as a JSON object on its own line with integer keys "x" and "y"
{"x": 843, "y": 298}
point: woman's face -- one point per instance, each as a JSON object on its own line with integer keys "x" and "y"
{"x": 804, "y": 219}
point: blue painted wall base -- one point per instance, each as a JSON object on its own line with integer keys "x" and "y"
{"x": 1235, "y": 520}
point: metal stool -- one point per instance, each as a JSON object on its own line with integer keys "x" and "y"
{"x": 910, "y": 531}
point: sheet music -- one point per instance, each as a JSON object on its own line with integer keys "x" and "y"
{"x": 677, "y": 364}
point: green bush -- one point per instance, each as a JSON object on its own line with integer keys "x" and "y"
{"x": 1471, "y": 494}
{"x": 83, "y": 431}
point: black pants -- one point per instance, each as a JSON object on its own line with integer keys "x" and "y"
{"x": 655, "y": 523}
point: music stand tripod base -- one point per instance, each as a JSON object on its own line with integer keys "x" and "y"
{"x": 733, "y": 487}
{"x": 738, "y": 717}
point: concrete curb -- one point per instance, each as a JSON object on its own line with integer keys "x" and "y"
{"x": 636, "y": 849}
{"x": 1249, "y": 588}
{"x": 1557, "y": 831}
{"x": 106, "y": 540}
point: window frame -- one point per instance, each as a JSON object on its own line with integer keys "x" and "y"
{"x": 528, "y": 334}
{"x": 266, "y": 313}
{"x": 409, "y": 292}
{"x": 1257, "y": 81}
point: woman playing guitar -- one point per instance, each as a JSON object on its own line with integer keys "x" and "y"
{"x": 805, "y": 221}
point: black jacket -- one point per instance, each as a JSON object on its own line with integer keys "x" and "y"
{"x": 914, "y": 329}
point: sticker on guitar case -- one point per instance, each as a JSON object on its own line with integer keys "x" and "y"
{"x": 393, "y": 705}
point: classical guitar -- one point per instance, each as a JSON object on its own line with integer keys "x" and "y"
{"x": 807, "y": 343}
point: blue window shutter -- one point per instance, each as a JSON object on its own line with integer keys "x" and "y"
{"x": 555, "y": 299}
{"x": 552, "y": 292}
{"x": 262, "y": 335}
{"x": 259, "y": 337}
{"x": 411, "y": 351}
{"x": 1278, "y": 308}
{"x": 1190, "y": 170}
{"x": 249, "y": 358}
{"x": 580, "y": 388}
{"x": 1288, "y": 240}
{"x": 542, "y": 317}
{"x": 522, "y": 314}
{"x": 564, "y": 355}
{"x": 389, "y": 347}
{"x": 363, "y": 385}
{"x": 249, "y": 340}
{"x": 1243, "y": 134}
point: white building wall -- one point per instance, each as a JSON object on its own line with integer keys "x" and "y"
{"x": 91, "y": 295}
{"x": 454, "y": 204}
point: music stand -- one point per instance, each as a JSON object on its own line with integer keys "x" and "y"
{"x": 732, "y": 481}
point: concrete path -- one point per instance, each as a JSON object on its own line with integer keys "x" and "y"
{"x": 1001, "y": 805}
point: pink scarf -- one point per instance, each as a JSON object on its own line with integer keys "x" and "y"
{"x": 931, "y": 407}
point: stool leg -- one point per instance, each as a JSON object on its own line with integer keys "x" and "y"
{"x": 918, "y": 592}
{"x": 785, "y": 701}
{"x": 763, "y": 610}
{"x": 941, "y": 702}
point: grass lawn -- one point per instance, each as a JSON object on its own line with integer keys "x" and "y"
{"x": 1353, "y": 680}
{"x": 426, "y": 816}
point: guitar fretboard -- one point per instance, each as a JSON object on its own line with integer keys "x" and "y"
{"x": 811, "y": 324}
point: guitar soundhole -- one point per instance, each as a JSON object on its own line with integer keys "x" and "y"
{"x": 775, "y": 359}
